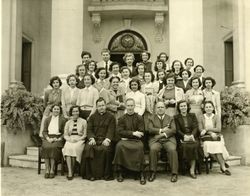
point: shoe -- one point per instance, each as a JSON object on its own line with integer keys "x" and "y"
{"x": 142, "y": 180}
{"x": 92, "y": 179}
{"x": 46, "y": 175}
{"x": 70, "y": 177}
{"x": 174, "y": 178}
{"x": 226, "y": 172}
{"x": 109, "y": 178}
{"x": 51, "y": 175}
{"x": 193, "y": 176}
{"x": 119, "y": 178}
{"x": 152, "y": 177}
{"x": 226, "y": 165}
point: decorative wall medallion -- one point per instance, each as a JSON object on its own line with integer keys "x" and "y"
{"x": 127, "y": 41}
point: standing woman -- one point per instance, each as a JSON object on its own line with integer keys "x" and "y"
{"x": 159, "y": 65}
{"x": 124, "y": 82}
{"x": 53, "y": 140}
{"x": 145, "y": 56}
{"x": 129, "y": 59}
{"x": 164, "y": 57}
{"x": 102, "y": 83}
{"x": 140, "y": 68}
{"x": 51, "y": 97}
{"x": 170, "y": 94}
{"x": 69, "y": 94}
{"x": 198, "y": 72}
{"x": 160, "y": 78}
{"x": 189, "y": 63}
{"x": 116, "y": 98}
{"x": 91, "y": 67}
{"x": 184, "y": 83}
{"x": 211, "y": 95}
{"x": 80, "y": 73}
{"x": 187, "y": 128}
{"x": 115, "y": 69}
{"x": 195, "y": 97}
{"x": 139, "y": 98}
{"x": 213, "y": 142}
{"x": 75, "y": 132}
{"x": 87, "y": 97}
{"x": 177, "y": 67}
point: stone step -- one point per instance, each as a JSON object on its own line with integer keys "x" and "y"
{"x": 32, "y": 151}
{"x": 26, "y": 161}
{"x": 232, "y": 161}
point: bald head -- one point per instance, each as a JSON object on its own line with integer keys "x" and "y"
{"x": 160, "y": 108}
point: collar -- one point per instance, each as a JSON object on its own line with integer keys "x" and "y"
{"x": 161, "y": 117}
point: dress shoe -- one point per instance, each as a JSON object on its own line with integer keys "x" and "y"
{"x": 108, "y": 178}
{"x": 226, "y": 172}
{"x": 70, "y": 177}
{"x": 119, "y": 178}
{"x": 226, "y": 165}
{"x": 193, "y": 176}
{"x": 51, "y": 175}
{"x": 152, "y": 177}
{"x": 142, "y": 180}
{"x": 174, "y": 178}
{"x": 46, "y": 175}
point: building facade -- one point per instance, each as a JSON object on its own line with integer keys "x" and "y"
{"x": 45, "y": 38}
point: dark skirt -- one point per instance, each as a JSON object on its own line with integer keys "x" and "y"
{"x": 189, "y": 150}
{"x": 96, "y": 162}
{"x": 130, "y": 155}
{"x": 52, "y": 150}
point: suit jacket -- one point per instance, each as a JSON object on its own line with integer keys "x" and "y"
{"x": 180, "y": 84}
{"x": 133, "y": 71}
{"x": 81, "y": 128}
{"x": 154, "y": 126}
{"x": 61, "y": 122}
{"x": 216, "y": 124}
{"x": 192, "y": 127}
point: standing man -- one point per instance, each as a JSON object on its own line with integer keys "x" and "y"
{"x": 86, "y": 57}
{"x": 105, "y": 59}
{"x": 129, "y": 152}
{"x": 97, "y": 154}
{"x": 162, "y": 135}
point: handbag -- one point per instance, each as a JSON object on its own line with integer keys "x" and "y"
{"x": 208, "y": 137}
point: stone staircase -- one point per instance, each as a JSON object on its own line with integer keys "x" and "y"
{"x": 30, "y": 160}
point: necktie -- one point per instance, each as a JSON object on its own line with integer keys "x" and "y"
{"x": 106, "y": 66}
{"x": 161, "y": 120}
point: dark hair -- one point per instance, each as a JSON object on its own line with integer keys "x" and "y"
{"x": 174, "y": 63}
{"x": 73, "y": 107}
{"x": 105, "y": 50}
{"x": 189, "y": 72}
{"x": 152, "y": 75}
{"x": 137, "y": 81}
{"x": 100, "y": 99}
{"x": 72, "y": 75}
{"x": 146, "y": 53}
{"x": 88, "y": 63}
{"x": 98, "y": 71}
{"x": 157, "y": 74}
{"x": 125, "y": 67}
{"x": 180, "y": 102}
{"x": 159, "y": 56}
{"x": 170, "y": 75}
{"x": 54, "y": 105}
{"x": 114, "y": 77}
{"x": 163, "y": 65}
{"x": 85, "y": 53}
{"x": 77, "y": 69}
{"x": 194, "y": 78}
{"x": 200, "y": 67}
{"x": 206, "y": 102}
{"x": 185, "y": 62}
{"x": 211, "y": 79}
{"x": 137, "y": 66}
{"x": 91, "y": 77}
{"x": 112, "y": 64}
{"x": 53, "y": 79}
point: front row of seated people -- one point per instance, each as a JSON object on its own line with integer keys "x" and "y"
{"x": 99, "y": 143}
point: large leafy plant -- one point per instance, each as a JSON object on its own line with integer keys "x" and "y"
{"x": 20, "y": 108}
{"x": 234, "y": 106}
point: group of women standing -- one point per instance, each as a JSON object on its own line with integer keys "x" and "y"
{"x": 189, "y": 97}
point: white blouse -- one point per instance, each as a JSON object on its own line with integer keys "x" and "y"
{"x": 140, "y": 101}
{"x": 53, "y": 128}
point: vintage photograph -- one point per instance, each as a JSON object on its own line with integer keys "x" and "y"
{"x": 125, "y": 97}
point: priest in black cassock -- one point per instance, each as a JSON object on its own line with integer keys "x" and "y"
{"x": 98, "y": 152}
{"x": 129, "y": 152}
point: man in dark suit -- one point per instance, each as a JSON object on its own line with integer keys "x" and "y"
{"x": 162, "y": 135}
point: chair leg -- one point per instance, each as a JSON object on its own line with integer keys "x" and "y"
{"x": 62, "y": 166}
{"x": 39, "y": 162}
{"x": 211, "y": 163}
{"x": 206, "y": 162}
{"x": 56, "y": 167}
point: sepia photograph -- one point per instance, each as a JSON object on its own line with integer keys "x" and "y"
{"x": 125, "y": 97}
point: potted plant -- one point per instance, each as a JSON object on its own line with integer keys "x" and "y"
{"x": 235, "y": 113}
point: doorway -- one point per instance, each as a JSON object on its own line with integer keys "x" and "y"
{"x": 126, "y": 41}
{"x": 26, "y": 63}
{"x": 229, "y": 61}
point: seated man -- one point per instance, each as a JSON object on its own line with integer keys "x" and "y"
{"x": 162, "y": 135}
{"x": 97, "y": 154}
{"x": 129, "y": 152}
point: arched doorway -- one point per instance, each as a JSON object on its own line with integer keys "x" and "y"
{"x": 126, "y": 41}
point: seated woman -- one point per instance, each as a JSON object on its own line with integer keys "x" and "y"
{"x": 69, "y": 94}
{"x": 75, "y": 132}
{"x": 184, "y": 83}
{"x": 80, "y": 73}
{"x": 187, "y": 128}
{"x": 210, "y": 131}
{"x": 53, "y": 140}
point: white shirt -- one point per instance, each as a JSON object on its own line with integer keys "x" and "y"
{"x": 140, "y": 101}
{"x": 54, "y": 126}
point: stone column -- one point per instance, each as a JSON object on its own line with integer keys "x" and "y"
{"x": 66, "y": 36}
{"x": 186, "y": 30}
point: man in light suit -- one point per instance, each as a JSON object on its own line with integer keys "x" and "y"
{"x": 162, "y": 135}
{"x": 105, "y": 59}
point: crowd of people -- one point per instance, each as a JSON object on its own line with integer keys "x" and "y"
{"x": 110, "y": 115}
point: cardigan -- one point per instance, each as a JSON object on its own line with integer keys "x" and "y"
{"x": 81, "y": 128}
{"x": 216, "y": 124}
